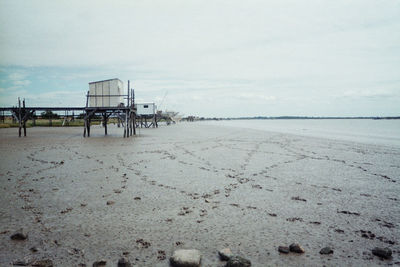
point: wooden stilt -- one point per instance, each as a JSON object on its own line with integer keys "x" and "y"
{"x": 25, "y": 117}
{"x": 19, "y": 117}
{"x": 84, "y": 126}
{"x": 105, "y": 123}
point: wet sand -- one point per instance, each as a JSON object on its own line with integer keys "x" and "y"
{"x": 196, "y": 186}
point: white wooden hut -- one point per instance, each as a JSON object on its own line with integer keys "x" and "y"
{"x": 146, "y": 109}
{"x": 107, "y": 93}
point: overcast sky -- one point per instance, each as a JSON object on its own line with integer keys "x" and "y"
{"x": 208, "y": 58}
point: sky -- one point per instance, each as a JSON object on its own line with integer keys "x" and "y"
{"x": 207, "y": 58}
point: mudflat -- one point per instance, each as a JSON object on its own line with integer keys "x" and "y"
{"x": 196, "y": 186}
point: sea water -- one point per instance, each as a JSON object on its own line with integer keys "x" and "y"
{"x": 380, "y": 132}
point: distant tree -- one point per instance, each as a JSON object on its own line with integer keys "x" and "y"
{"x": 48, "y": 114}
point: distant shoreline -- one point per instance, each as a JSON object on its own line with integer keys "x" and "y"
{"x": 304, "y": 118}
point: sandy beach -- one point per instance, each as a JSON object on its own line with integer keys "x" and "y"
{"x": 198, "y": 186}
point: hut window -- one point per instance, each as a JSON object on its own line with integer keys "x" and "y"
{"x": 146, "y": 106}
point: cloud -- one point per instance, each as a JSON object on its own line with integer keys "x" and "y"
{"x": 211, "y": 57}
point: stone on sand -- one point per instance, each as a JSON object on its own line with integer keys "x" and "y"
{"x": 43, "y": 263}
{"x": 385, "y": 253}
{"x": 186, "y": 258}
{"x": 100, "y": 263}
{"x": 296, "y": 248}
{"x": 326, "y": 250}
{"x": 122, "y": 262}
{"x": 19, "y": 235}
{"x": 225, "y": 254}
{"x": 237, "y": 261}
{"x": 283, "y": 249}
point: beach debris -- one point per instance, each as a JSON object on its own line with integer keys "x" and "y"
{"x": 283, "y": 249}
{"x": 238, "y": 261}
{"x": 66, "y": 210}
{"x": 294, "y": 219}
{"x": 43, "y": 263}
{"x": 110, "y": 202}
{"x": 20, "y": 263}
{"x": 207, "y": 200}
{"x": 326, "y": 251}
{"x": 99, "y": 263}
{"x": 385, "y": 240}
{"x": 19, "y": 235}
{"x": 123, "y": 262}
{"x": 83, "y": 204}
{"x": 186, "y": 258}
{"x": 272, "y": 214}
{"x": 315, "y": 222}
{"x": 117, "y": 191}
{"x": 348, "y": 212}
{"x": 367, "y": 234}
{"x": 34, "y": 249}
{"x": 296, "y": 248}
{"x": 137, "y": 198}
{"x": 340, "y": 231}
{"x": 142, "y": 243}
{"x": 225, "y": 254}
{"x": 299, "y": 199}
{"x": 385, "y": 253}
{"x": 161, "y": 255}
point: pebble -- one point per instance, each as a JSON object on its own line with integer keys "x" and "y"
{"x": 326, "y": 250}
{"x": 225, "y": 254}
{"x": 43, "y": 263}
{"x": 283, "y": 249}
{"x": 100, "y": 263}
{"x": 124, "y": 263}
{"x": 186, "y": 258}
{"x": 19, "y": 235}
{"x": 385, "y": 253}
{"x": 237, "y": 261}
{"x": 110, "y": 202}
{"x": 20, "y": 263}
{"x": 296, "y": 248}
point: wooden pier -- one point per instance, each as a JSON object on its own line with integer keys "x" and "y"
{"x": 125, "y": 114}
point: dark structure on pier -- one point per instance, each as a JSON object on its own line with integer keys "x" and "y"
{"x": 101, "y": 100}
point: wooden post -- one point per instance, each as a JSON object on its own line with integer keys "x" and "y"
{"x": 34, "y": 118}
{"x": 134, "y": 124}
{"x": 19, "y": 117}
{"x": 84, "y": 126}
{"x": 25, "y": 117}
{"x": 88, "y": 126}
{"x": 105, "y": 123}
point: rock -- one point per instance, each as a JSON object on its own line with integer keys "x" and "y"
{"x": 122, "y": 262}
{"x": 296, "y": 248}
{"x": 34, "y": 249}
{"x": 326, "y": 250}
{"x": 100, "y": 263}
{"x": 20, "y": 263}
{"x": 237, "y": 261}
{"x": 19, "y": 235}
{"x": 283, "y": 249}
{"x": 110, "y": 202}
{"x": 207, "y": 200}
{"x": 43, "y": 263}
{"x": 225, "y": 254}
{"x": 186, "y": 258}
{"x": 385, "y": 253}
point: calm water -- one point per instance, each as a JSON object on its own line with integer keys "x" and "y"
{"x": 382, "y": 132}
